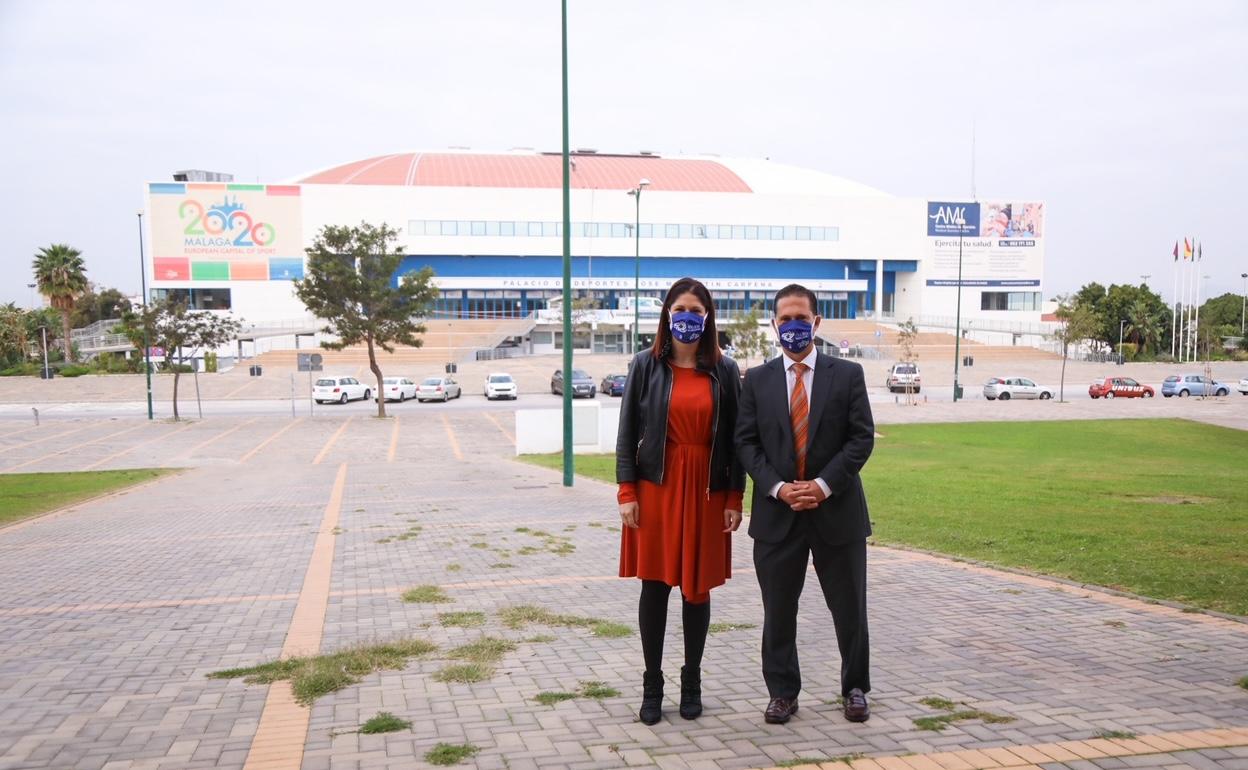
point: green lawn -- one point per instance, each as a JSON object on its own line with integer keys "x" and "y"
{"x": 1154, "y": 507}
{"x": 28, "y": 494}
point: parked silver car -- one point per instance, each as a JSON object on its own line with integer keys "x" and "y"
{"x": 1005, "y": 388}
{"x": 438, "y": 389}
{"x": 1184, "y": 385}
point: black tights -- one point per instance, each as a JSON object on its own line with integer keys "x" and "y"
{"x": 652, "y": 621}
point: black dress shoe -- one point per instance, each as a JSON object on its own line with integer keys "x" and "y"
{"x": 856, "y": 708}
{"x": 780, "y": 710}
{"x": 690, "y": 692}
{"x": 651, "y": 697}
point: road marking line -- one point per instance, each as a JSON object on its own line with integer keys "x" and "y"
{"x": 45, "y": 438}
{"x": 265, "y": 443}
{"x": 329, "y": 444}
{"x": 73, "y": 448}
{"x": 19, "y": 432}
{"x": 222, "y": 434}
{"x": 394, "y": 440}
{"x": 450, "y": 435}
{"x": 283, "y": 728}
{"x": 240, "y": 388}
{"x": 499, "y": 425}
{"x": 127, "y": 450}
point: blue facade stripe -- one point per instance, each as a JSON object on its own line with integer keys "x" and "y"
{"x": 166, "y": 188}
{"x": 623, "y": 267}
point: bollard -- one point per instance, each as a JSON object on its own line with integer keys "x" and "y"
{"x": 36, "y": 411}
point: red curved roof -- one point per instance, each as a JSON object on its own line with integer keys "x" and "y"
{"x": 609, "y": 172}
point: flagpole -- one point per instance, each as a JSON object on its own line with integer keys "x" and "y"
{"x": 1189, "y": 337}
{"x": 1183, "y": 310}
{"x": 1196, "y": 325}
{"x": 1174, "y": 308}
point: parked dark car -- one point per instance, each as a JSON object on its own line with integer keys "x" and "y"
{"x": 613, "y": 384}
{"x": 582, "y": 385}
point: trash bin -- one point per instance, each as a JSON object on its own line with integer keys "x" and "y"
{"x": 256, "y": 370}
{"x": 452, "y": 369}
{"x": 46, "y": 373}
{"x": 957, "y": 393}
{"x": 968, "y": 360}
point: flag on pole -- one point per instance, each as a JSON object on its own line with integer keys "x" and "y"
{"x": 1176, "y": 251}
{"x": 1187, "y": 249}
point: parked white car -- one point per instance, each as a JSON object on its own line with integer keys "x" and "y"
{"x": 903, "y": 376}
{"x": 1243, "y": 386}
{"x": 500, "y": 385}
{"x": 442, "y": 388}
{"x": 1005, "y": 388}
{"x": 340, "y": 389}
{"x": 399, "y": 389}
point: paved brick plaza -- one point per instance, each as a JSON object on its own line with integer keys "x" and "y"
{"x": 114, "y": 611}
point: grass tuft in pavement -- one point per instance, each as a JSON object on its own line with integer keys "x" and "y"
{"x": 541, "y": 639}
{"x": 522, "y": 615}
{"x": 799, "y": 761}
{"x": 426, "y": 594}
{"x": 1123, "y": 735}
{"x": 1243, "y": 682}
{"x": 464, "y": 673}
{"x": 312, "y": 677}
{"x": 461, "y": 619}
{"x": 551, "y": 698}
{"x": 719, "y": 628}
{"x": 502, "y": 565}
{"x": 385, "y": 722}
{"x": 450, "y": 753}
{"x": 938, "y": 723}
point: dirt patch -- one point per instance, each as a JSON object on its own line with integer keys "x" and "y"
{"x": 1176, "y": 500}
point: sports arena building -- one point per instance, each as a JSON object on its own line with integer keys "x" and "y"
{"x": 489, "y": 226}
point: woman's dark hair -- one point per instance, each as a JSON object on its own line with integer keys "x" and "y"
{"x": 708, "y": 344}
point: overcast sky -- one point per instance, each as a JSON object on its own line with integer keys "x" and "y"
{"x": 1130, "y": 119}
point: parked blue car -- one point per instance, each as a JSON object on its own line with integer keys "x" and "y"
{"x": 1184, "y": 385}
{"x": 613, "y": 384}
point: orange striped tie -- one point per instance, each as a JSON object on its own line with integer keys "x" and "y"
{"x": 799, "y": 413}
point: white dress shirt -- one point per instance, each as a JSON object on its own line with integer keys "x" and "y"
{"x": 808, "y": 381}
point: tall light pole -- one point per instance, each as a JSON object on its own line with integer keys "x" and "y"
{"x": 1120, "y": 325}
{"x": 636, "y": 193}
{"x": 957, "y": 324}
{"x": 567, "y": 266}
{"x": 44, "y": 374}
{"x": 147, "y": 362}
{"x": 31, "y": 286}
{"x": 1145, "y": 278}
{"x": 1243, "y": 310}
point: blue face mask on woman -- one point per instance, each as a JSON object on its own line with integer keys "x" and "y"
{"x": 687, "y": 327}
{"x": 795, "y": 335}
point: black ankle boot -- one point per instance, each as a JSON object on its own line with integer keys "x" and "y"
{"x": 690, "y": 692}
{"x": 651, "y": 697}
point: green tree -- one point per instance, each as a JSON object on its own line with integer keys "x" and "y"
{"x": 98, "y": 304}
{"x": 13, "y": 340}
{"x": 61, "y": 276}
{"x": 1223, "y": 311}
{"x": 171, "y": 325}
{"x": 1078, "y": 323}
{"x": 352, "y": 283}
{"x": 907, "y": 335}
{"x": 748, "y": 337}
{"x": 44, "y": 318}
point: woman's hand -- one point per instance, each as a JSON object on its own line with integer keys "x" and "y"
{"x": 630, "y": 515}
{"x": 732, "y": 520}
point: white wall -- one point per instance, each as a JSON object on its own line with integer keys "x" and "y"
{"x": 594, "y": 427}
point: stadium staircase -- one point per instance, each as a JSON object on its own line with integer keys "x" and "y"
{"x": 928, "y": 346}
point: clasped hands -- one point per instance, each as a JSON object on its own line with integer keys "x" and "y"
{"x": 630, "y": 516}
{"x": 801, "y": 495}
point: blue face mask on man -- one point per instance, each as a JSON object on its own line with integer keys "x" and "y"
{"x": 687, "y": 327}
{"x": 795, "y": 335}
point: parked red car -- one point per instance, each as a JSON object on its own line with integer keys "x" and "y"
{"x": 1119, "y": 387}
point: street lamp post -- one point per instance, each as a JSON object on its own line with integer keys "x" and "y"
{"x": 1145, "y": 277}
{"x": 957, "y": 324}
{"x": 44, "y": 331}
{"x": 147, "y": 362}
{"x": 568, "y": 468}
{"x": 31, "y": 286}
{"x": 1243, "y": 310}
{"x": 636, "y": 193}
{"x": 1120, "y": 325}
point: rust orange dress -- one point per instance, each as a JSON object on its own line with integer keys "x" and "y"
{"x": 680, "y": 539}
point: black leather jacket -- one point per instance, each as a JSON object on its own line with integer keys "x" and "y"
{"x": 640, "y": 445}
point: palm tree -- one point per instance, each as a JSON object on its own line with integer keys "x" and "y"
{"x": 62, "y": 278}
{"x": 1144, "y": 326}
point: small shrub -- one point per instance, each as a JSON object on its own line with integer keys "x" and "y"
{"x": 426, "y": 595}
{"x": 74, "y": 370}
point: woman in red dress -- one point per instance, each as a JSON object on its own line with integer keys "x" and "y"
{"x": 680, "y": 485}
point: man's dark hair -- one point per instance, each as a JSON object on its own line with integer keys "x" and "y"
{"x": 796, "y": 289}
